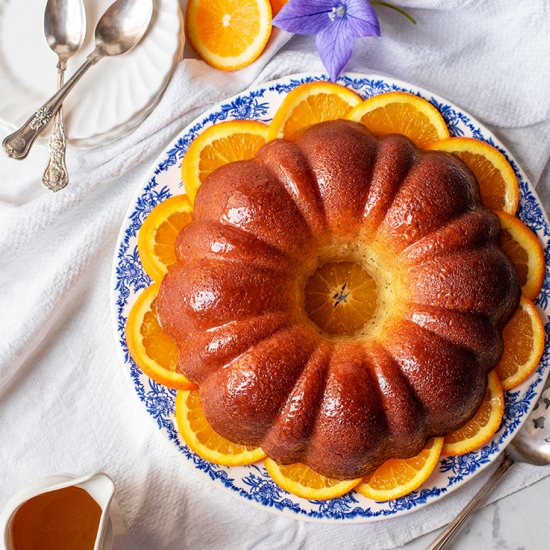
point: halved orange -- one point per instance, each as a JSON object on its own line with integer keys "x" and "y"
{"x": 525, "y": 250}
{"x": 217, "y": 146}
{"x": 302, "y": 481}
{"x": 277, "y": 5}
{"x": 477, "y": 431}
{"x": 497, "y": 180}
{"x": 523, "y": 345}
{"x": 399, "y": 476}
{"x": 153, "y": 351}
{"x": 157, "y": 236}
{"x": 228, "y": 34}
{"x": 203, "y": 440}
{"x": 309, "y": 104}
{"x": 340, "y": 297}
{"x": 402, "y": 113}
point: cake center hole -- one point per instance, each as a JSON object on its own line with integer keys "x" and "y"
{"x": 340, "y": 297}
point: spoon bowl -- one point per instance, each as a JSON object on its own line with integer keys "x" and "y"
{"x": 64, "y": 26}
{"x": 532, "y": 442}
{"x": 530, "y": 445}
{"x": 123, "y": 26}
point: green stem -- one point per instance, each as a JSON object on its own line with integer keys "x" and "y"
{"x": 399, "y": 10}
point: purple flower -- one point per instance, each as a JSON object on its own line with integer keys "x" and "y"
{"x": 337, "y": 23}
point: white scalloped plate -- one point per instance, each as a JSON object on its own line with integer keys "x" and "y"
{"x": 113, "y": 97}
{"x": 252, "y": 483}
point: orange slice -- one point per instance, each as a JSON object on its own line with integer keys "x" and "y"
{"x": 217, "y": 146}
{"x": 302, "y": 481}
{"x": 400, "y": 476}
{"x": 497, "y": 180}
{"x": 523, "y": 345}
{"x": 477, "y": 431}
{"x": 309, "y": 104}
{"x": 157, "y": 236}
{"x": 340, "y": 297}
{"x": 228, "y": 34}
{"x": 277, "y": 5}
{"x": 153, "y": 351}
{"x": 525, "y": 250}
{"x": 402, "y": 113}
{"x": 203, "y": 440}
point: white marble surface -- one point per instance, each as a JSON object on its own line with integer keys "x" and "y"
{"x": 517, "y": 522}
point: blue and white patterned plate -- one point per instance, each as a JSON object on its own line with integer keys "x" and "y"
{"x": 252, "y": 483}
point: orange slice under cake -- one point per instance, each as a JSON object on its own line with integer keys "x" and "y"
{"x": 523, "y": 345}
{"x": 400, "y": 476}
{"x": 154, "y": 352}
{"x": 157, "y": 236}
{"x": 497, "y": 180}
{"x": 203, "y": 440}
{"x": 310, "y": 104}
{"x": 401, "y": 113}
{"x": 477, "y": 431}
{"x": 217, "y": 146}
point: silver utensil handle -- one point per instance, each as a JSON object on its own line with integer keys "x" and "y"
{"x": 18, "y": 144}
{"x": 454, "y": 527}
{"x": 56, "y": 176}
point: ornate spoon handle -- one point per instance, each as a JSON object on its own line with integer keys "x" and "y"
{"x": 18, "y": 144}
{"x": 56, "y": 176}
{"x": 448, "y": 534}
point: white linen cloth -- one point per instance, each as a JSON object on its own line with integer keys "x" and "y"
{"x": 66, "y": 404}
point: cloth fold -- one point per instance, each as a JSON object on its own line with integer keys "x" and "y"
{"x": 66, "y": 404}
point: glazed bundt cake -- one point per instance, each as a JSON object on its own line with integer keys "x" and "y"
{"x": 400, "y": 349}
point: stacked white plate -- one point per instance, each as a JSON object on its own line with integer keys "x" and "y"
{"x": 112, "y": 98}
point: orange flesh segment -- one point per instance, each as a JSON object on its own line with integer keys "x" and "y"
{"x": 340, "y": 297}
{"x": 233, "y": 38}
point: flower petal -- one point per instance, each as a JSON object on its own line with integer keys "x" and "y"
{"x": 305, "y": 16}
{"x": 362, "y": 18}
{"x": 335, "y": 46}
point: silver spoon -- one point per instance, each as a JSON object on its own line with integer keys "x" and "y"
{"x": 530, "y": 445}
{"x": 120, "y": 28}
{"x": 65, "y": 30}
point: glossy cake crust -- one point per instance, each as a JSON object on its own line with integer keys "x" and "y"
{"x": 234, "y": 303}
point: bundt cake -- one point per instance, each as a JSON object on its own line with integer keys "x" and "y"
{"x": 399, "y": 350}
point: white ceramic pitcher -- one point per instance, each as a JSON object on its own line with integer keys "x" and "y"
{"x": 99, "y": 486}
